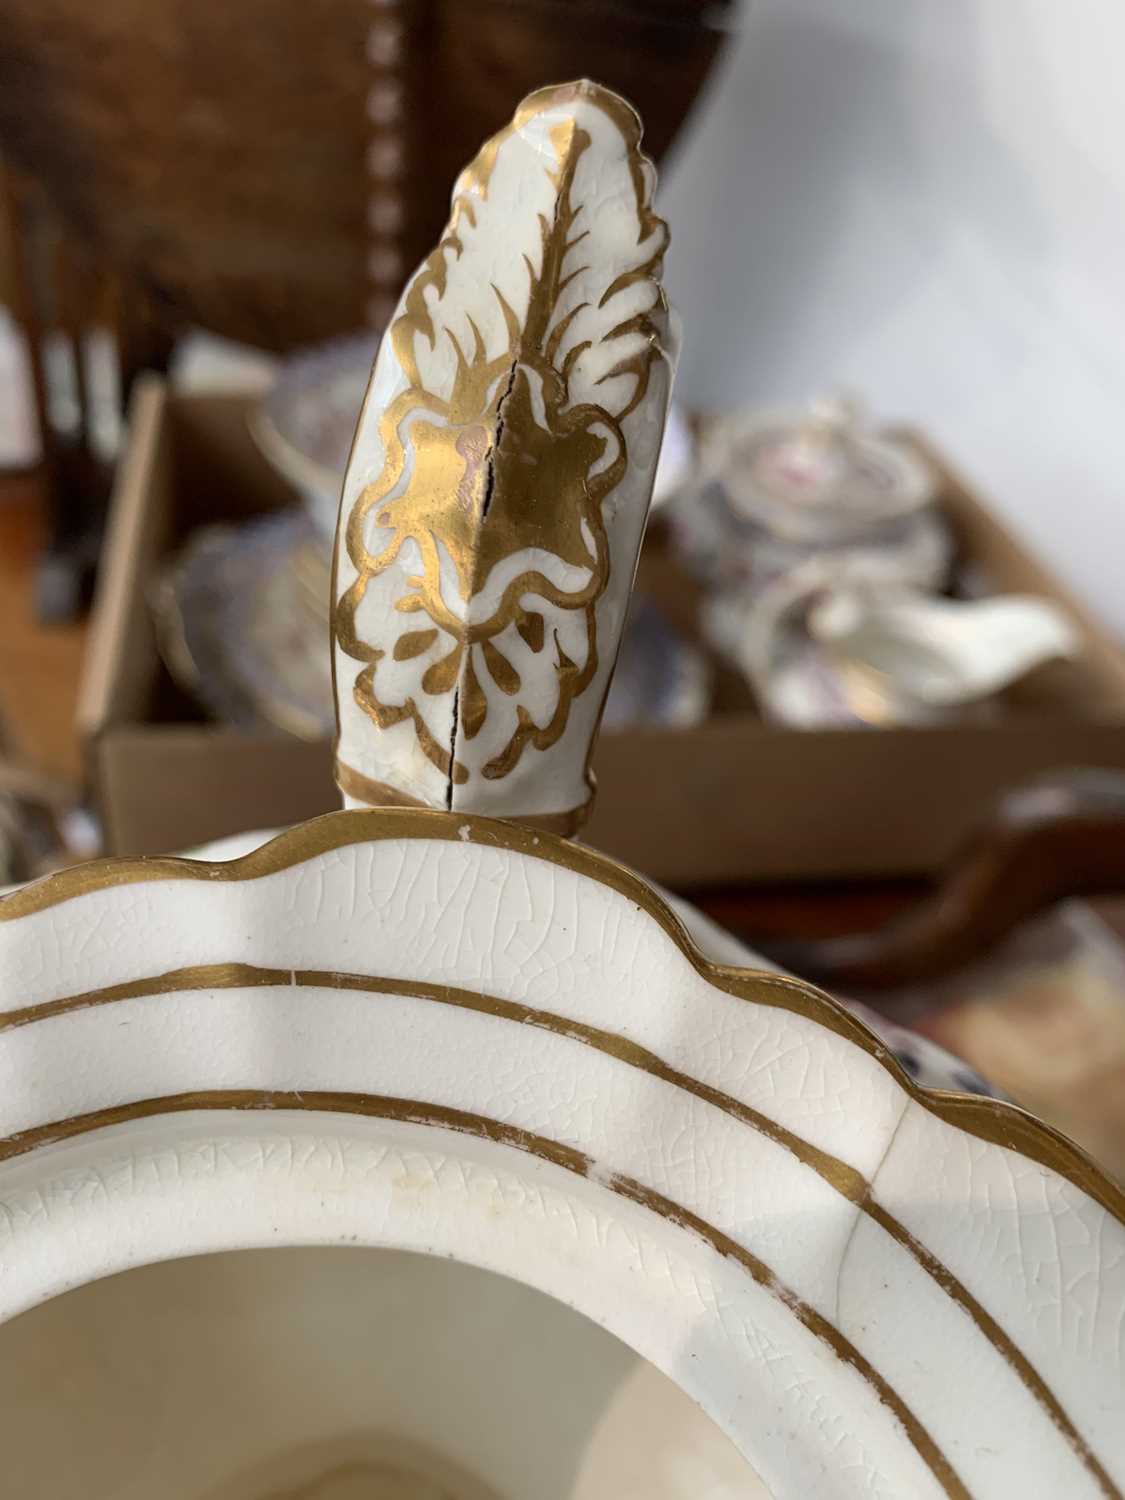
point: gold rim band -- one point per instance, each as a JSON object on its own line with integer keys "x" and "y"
{"x": 845, "y": 1180}
{"x": 992, "y": 1120}
{"x": 380, "y": 794}
{"x": 418, "y": 1112}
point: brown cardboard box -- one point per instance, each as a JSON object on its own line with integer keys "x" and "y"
{"x": 733, "y": 800}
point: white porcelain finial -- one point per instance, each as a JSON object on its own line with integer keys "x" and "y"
{"x": 500, "y": 478}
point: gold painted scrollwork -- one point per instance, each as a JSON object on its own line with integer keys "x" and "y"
{"x": 506, "y": 463}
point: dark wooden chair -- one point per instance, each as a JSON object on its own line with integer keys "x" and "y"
{"x": 271, "y": 171}
{"x": 61, "y": 295}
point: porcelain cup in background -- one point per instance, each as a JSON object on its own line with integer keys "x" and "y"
{"x": 824, "y": 557}
{"x": 305, "y": 423}
{"x": 773, "y": 489}
{"x": 820, "y": 477}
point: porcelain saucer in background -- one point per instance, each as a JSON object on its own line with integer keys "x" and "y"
{"x": 661, "y": 679}
{"x": 242, "y": 621}
{"x": 306, "y": 421}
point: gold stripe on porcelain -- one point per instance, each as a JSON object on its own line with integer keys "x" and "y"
{"x": 416, "y": 1112}
{"x": 483, "y": 450}
{"x": 992, "y": 1120}
{"x": 844, "y": 1179}
{"x": 379, "y": 794}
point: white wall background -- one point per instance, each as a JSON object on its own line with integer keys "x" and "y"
{"x": 924, "y": 201}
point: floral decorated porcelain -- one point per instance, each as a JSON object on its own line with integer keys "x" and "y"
{"x": 825, "y": 559}
{"x": 306, "y": 421}
{"x": 420, "y": 1029}
{"x": 501, "y": 473}
{"x": 778, "y": 489}
{"x": 818, "y": 477}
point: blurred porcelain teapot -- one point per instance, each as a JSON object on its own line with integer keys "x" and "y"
{"x": 849, "y": 647}
{"x": 922, "y": 656}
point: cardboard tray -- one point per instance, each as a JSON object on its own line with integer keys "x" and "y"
{"x": 733, "y": 800}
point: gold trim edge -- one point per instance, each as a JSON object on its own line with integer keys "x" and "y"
{"x": 484, "y": 1127}
{"x": 992, "y": 1120}
{"x": 845, "y": 1180}
{"x": 379, "y": 794}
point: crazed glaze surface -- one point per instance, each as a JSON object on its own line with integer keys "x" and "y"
{"x": 450, "y": 1035}
{"x": 501, "y": 475}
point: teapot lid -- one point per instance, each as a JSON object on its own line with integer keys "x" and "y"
{"x": 817, "y": 476}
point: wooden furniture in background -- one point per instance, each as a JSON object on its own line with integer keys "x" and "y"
{"x": 268, "y": 171}
{"x": 61, "y": 297}
{"x": 218, "y": 155}
{"x": 39, "y": 667}
{"x": 1060, "y": 836}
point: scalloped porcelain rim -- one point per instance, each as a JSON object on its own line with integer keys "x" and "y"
{"x": 994, "y": 1120}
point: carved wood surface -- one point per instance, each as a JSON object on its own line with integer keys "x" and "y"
{"x": 219, "y": 153}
